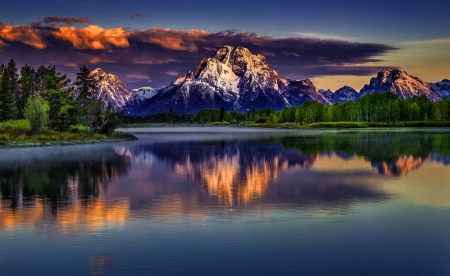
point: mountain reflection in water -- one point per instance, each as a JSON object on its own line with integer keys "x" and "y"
{"x": 270, "y": 203}
{"x": 74, "y": 182}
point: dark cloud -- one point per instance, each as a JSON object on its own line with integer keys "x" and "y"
{"x": 135, "y": 14}
{"x": 55, "y": 21}
{"x": 154, "y": 52}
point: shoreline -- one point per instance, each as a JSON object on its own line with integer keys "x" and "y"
{"x": 122, "y": 137}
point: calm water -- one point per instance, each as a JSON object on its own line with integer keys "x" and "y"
{"x": 218, "y": 201}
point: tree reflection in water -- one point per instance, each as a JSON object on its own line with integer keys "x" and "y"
{"x": 67, "y": 174}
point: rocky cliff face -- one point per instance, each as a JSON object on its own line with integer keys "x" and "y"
{"x": 400, "y": 83}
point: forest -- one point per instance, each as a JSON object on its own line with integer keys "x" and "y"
{"x": 373, "y": 108}
{"x": 43, "y": 104}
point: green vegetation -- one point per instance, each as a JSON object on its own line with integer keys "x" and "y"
{"x": 374, "y": 110}
{"x": 41, "y": 106}
{"x": 18, "y": 133}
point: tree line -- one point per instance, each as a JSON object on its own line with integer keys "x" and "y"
{"x": 47, "y": 98}
{"x": 377, "y": 107}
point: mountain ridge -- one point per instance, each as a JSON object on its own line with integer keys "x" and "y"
{"x": 238, "y": 80}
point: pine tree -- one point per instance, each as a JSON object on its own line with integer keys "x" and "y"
{"x": 222, "y": 113}
{"x": 26, "y": 83}
{"x": 14, "y": 79}
{"x": 91, "y": 103}
{"x": 8, "y": 110}
{"x": 86, "y": 87}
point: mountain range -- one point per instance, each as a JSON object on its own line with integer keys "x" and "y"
{"x": 238, "y": 80}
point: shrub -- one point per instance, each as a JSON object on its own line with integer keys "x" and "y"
{"x": 15, "y": 128}
{"x": 221, "y": 124}
{"x": 36, "y": 113}
{"x": 78, "y": 128}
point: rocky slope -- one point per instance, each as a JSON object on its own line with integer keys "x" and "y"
{"x": 114, "y": 91}
{"x": 400, "y": 83}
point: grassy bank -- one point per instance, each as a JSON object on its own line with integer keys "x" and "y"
{"x": 17, "y": 134}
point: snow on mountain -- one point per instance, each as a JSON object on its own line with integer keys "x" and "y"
{"x": 344, "y": 94}
{"x": 441, "y": 88}
{"x": 235, "y": 79}
{"x": 327, "y": 93}
{"x": 400, "y": 83}
{"x": 144, "y": 93}
{"x": 114, "y": 91}
{"x": 298, "y": 92}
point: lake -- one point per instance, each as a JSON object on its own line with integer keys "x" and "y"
{"x": 230, "y": 201}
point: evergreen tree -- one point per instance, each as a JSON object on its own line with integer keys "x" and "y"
{"x": 8, "y": 109}
{"x": 14, "y": 78}
{"x": 222, "y": 113}
{"x": 26, "y": 83}
{"x": 91, "y": 103}
{"x": 86, "y": 87}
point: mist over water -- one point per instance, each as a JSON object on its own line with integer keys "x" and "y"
{"x": 229, "y": 202}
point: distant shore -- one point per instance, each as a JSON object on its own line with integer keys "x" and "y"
{"x": 296, "y": 126}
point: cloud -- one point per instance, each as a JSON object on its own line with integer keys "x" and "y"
{"x": 23, "y": 34}
{"x": 291, "y": 54}
{"x": 135, "y": 14}
{"x": 172, "y": 39}
{"x": 156, "y": 51}
{"x": 321, "y": 36}
{"x": 96, "y": 60}
{"x": 172, "y": 73}
{"x": 93, "y": 37}
{"x": 66, "y": 20}
{"x": 137, "y": 76}
{"x": 433, "y": 42}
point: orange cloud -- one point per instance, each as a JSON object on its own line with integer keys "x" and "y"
{"x": 24, "y": 34}
{"x": 173, "y": 39}
{"x": 96, "y": 60}
{"x": 93, "y": 37}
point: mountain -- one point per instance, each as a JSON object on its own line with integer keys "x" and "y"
{"x": 400, "y": 83}
{"x": 327, "y": 93}
{"x": 114, "y": 91}
{"x": 235, "y": 79}
{"x": 344, "y": 94}
{"x": 144, "y": 93}
{"x": 441, "y": 88}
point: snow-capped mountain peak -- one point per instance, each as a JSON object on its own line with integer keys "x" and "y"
{"x": 400, "y": 83}
{"x": 145, "y": 92}
{"x": 235, "y": 79}
{"x": 441, "y": 88}
{"x": 114, "y": 91}
{"x": 344, "y": 94}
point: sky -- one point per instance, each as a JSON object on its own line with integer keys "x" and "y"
{"x": 148, "y": 43}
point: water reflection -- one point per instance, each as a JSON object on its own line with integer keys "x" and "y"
{"x": 66, "y": 181}
{"x": 70, "y": 186}
{"x": 168, "y": 203}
